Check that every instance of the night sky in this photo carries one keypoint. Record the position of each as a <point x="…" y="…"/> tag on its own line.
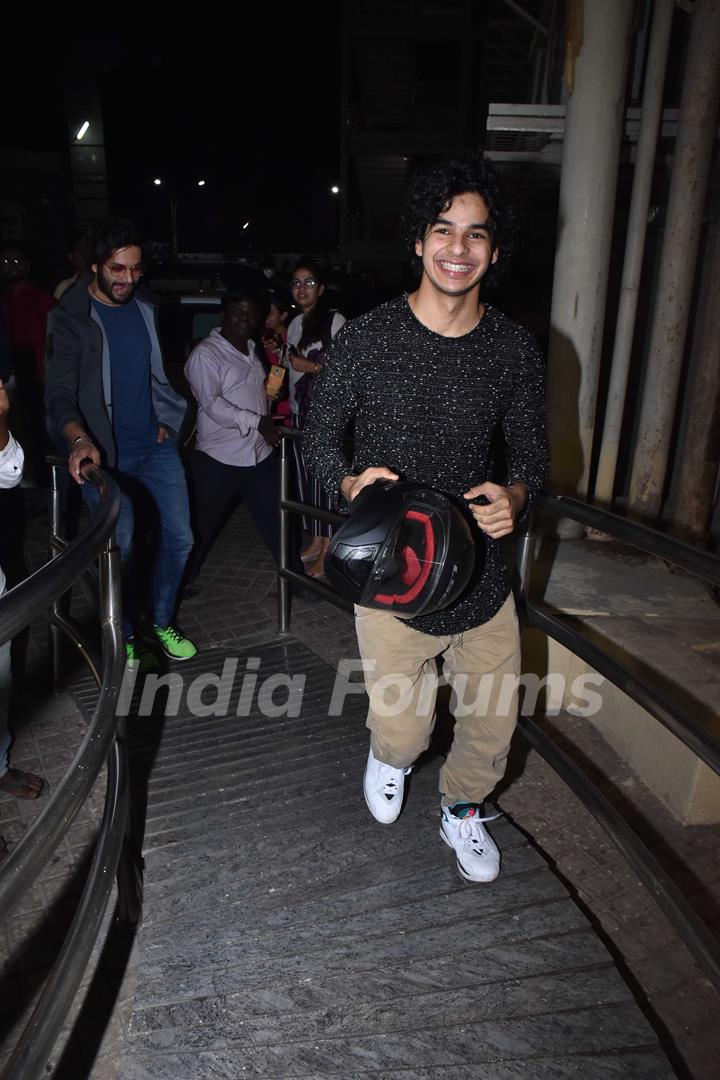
<point x="257" y="115"/>
<point x="254" y="110"/>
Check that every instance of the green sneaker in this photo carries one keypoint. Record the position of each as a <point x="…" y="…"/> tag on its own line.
<point x="174" y="644"/>
<point x="139" y="656"/>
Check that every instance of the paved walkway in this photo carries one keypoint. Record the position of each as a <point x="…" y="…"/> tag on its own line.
<point x="385" y="882"/>
<point x="286" y="934"/>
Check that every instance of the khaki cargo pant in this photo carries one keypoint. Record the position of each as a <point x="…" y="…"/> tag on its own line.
<point x="482" y="666"/>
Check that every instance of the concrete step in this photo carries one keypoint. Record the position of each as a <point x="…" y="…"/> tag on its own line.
<point x="207" y="1028"/>
<point x="321" y="864"/>
<point x="422" y="946"/>
<point x="409" y="883"/>
<point x="288" y="935"/>
<point x="484" y="1043"/>
<point x="469" y="970"/>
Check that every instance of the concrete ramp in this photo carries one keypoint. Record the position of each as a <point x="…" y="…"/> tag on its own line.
<point x="287" y="935"/>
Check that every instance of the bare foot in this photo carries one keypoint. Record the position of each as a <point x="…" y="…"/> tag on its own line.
<point x="22" y="785"/>
<point x="316" y="569"/>
<point x="312" y="551"/>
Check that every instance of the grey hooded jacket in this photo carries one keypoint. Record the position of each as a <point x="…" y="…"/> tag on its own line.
<point x="77" y="370"/>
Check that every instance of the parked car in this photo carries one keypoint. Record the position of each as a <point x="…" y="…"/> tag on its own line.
<point x="183" y="321"/>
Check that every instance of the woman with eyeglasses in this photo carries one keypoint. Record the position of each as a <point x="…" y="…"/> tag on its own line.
<point x="309" y="336"/>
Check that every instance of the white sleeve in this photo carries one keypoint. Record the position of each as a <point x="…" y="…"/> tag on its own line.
<point x="11" y="464"/>
<point x="294" y="332"/>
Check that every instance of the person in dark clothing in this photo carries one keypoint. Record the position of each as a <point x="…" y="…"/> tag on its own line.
<point x="108" y="394"/>
<point x="428" y="379"/>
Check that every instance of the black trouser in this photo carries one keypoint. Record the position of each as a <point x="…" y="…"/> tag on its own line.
<point x="216" y="487"/>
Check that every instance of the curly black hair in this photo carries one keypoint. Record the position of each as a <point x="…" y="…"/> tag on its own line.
<point x="434" y="187"/>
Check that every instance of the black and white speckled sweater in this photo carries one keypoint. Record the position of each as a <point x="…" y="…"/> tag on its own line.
<point x="426" y="406"/>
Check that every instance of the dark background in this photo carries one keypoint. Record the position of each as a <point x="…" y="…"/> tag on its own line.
<point x="250" y="103"/>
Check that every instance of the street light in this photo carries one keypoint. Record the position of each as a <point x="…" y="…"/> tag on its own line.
<point x="82" y="130"/>
<point x="335" y="190"/>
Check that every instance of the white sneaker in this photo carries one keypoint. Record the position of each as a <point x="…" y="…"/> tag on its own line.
<point x="478" y="859"/>
<point x="383" y="787"/>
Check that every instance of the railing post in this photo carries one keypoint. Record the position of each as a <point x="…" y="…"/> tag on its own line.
<point x="283" y="583"/>
<point x="524" y="556"/>
<point x="129" y="870"/>
<point x="54" y="636"/>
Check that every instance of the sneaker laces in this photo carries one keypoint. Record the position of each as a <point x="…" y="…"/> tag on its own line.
<point x="172" y="632"/>
<point x="471" y="829"/>
<point x="392" y="783"/>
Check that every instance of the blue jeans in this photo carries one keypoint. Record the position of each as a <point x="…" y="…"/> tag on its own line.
<point x="153" y="530"/>
<point x="5" y="685"/>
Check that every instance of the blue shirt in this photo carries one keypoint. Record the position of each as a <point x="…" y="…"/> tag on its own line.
<point x="135" y="424"/>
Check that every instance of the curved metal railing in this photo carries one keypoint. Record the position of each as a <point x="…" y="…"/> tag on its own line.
<point x="640" y="688"/>
<point x="647" y="693"/>
<point x="104" y="742"/>
<point x="644" y="690"/>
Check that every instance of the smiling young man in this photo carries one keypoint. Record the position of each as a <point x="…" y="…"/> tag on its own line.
<point x="429" y="379"/>
<point x="107" y="392"/>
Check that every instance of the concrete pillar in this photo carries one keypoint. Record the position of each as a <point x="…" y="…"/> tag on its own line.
<point x="87" y="154"/>
<point x="698" y="472"/>
<point x="693" y="151"/>
<point x="634" y="246"/>
<point x="594" y="120"/>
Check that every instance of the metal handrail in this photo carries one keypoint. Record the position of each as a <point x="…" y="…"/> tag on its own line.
<point x="674" y="905"/>
<point x="286" y="574"/>
<point x="699" y="563"/>
<point x="103" y="742"/>
<point x="32" y="597"/>
<point x="31" y="1053"/>
<point x="689" y="926"/>
<point x="684" y="726"/>
<point x="691" y="929"/>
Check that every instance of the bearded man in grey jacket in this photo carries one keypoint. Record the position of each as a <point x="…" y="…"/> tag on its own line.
<point x="109" y="396"/>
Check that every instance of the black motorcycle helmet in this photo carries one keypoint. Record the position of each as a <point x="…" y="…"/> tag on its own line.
<point x="404" y="548"/>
